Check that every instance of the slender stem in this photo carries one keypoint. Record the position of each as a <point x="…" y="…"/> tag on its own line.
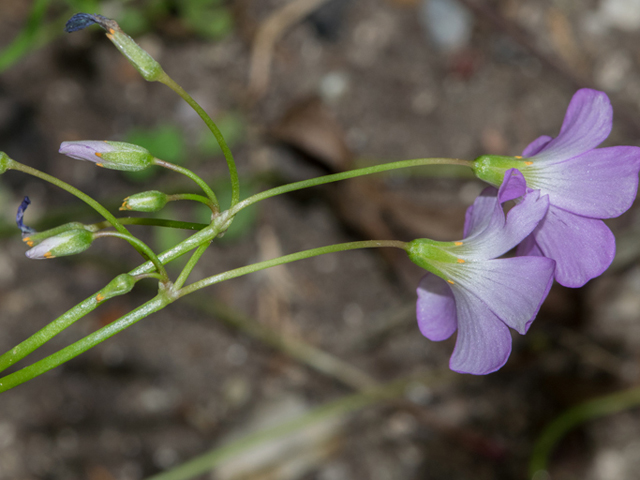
<point x="573" y="417"/>
<point x="73" y="191"/>
<point x="233" y="172"/>
<point x="207" y="234"/>
<point x="346" y="175"/>
<point x="90" y="341"/>
<point x="141" y="247"/>
<point x="195" y="198"/>
<point x="188" y="268"/>
<point x="238" y="272"/>
<point x="188" y="173"/>
<point x="157" y="222"/>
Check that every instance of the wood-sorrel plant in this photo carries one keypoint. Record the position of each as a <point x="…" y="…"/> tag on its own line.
<point x="562" y="189"/>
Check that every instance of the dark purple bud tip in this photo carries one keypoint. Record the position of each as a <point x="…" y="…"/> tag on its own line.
<point x="82" y="20"/>
<point x="19" y="216"/>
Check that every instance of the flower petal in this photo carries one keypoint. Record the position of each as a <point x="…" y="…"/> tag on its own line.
<point x="479" y="214"/>
<point x="501" y="235"/>
<point x="484" y="342"/>
<point x="538" y="144"/>
<point x="529" y="248"/>
<point x="586" y="125"/>
<point x="601" y="183"/>
<point x="582" y="247"/>
<point x="512" y="288"/>
<point x="436" y="308"/>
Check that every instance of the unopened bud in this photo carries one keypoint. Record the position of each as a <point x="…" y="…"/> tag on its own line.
<point x="36" y="238"/>
<point x="150" y="201"/>
<point x="66" y="243"/>
<point x="120" y="285"/>
<point x="113" y="155"/>
<point x="140" y="59"/>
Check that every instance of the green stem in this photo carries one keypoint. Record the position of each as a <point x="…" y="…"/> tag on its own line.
<point x="207" y="234"/>
<point x="188" y="268"/>
<point x="90" y="341"/>
<point x="13" y="165"/>
<point x="188" y="173"/>
<point x="575" y="416"/>
<point x="141" y="247"/>
<point x="195" y="198"/>
<point x="238" y="272"/>
<point x="233" y="172"/>
<point x="156" y="222"/>
<point x="344" y="176"/>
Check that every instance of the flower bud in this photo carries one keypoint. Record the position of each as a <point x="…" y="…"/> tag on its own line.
<point x="35" y="238"/>
<point x="113" y="155"/>
<point x="150" y="201"/>
<point x="120" y="285"/>
<point x="141" y="60"/>
<point x="66" y="243"/>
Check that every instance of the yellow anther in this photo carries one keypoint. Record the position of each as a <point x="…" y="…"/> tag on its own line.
<point x="124" y="206"/>
<point x="457" y="244"/>
<point x="98" y="154"/>
<point x="100" y="164"/>
<point x="49" y="255"/>
<point x="30" y="244"/>
<point x="99" y="297"/>
<point x="460" y="260"/>
<point x="26" y="240"/>
<point x="451" y="282"/>
<point x="528" y="163"/>
<point x="518" y="156"/>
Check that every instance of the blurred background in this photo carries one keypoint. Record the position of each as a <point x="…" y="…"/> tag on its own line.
<point x="302" y="88"/>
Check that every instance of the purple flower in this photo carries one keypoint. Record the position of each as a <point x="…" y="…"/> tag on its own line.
<point x="584" y="185"/>
<point x="477" y="294"/>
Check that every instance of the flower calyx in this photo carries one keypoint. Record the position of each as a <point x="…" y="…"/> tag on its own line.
<point x="69" y="242"/>
<point x="146" y="65"/>
<point x="491" y="168"/>
<point x="120" y="285"/>
<point x="150" y="201"/>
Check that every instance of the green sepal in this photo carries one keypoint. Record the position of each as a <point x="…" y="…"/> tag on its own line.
<point x="66" y="243"/>
<point x="150" y="201"/>
<point x="120" y="285"/>
<point x="428" y="253"/>
<point x="126" y="156"/>
<point x="491" y="168"/>
<point x="5" y="162"/>
<point x="35" y="238"/>
<point x="149" y="68"/>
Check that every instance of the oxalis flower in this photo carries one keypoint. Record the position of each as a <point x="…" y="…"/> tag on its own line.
<point x="477" y="294"/>
<point x="584" y="185"/>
